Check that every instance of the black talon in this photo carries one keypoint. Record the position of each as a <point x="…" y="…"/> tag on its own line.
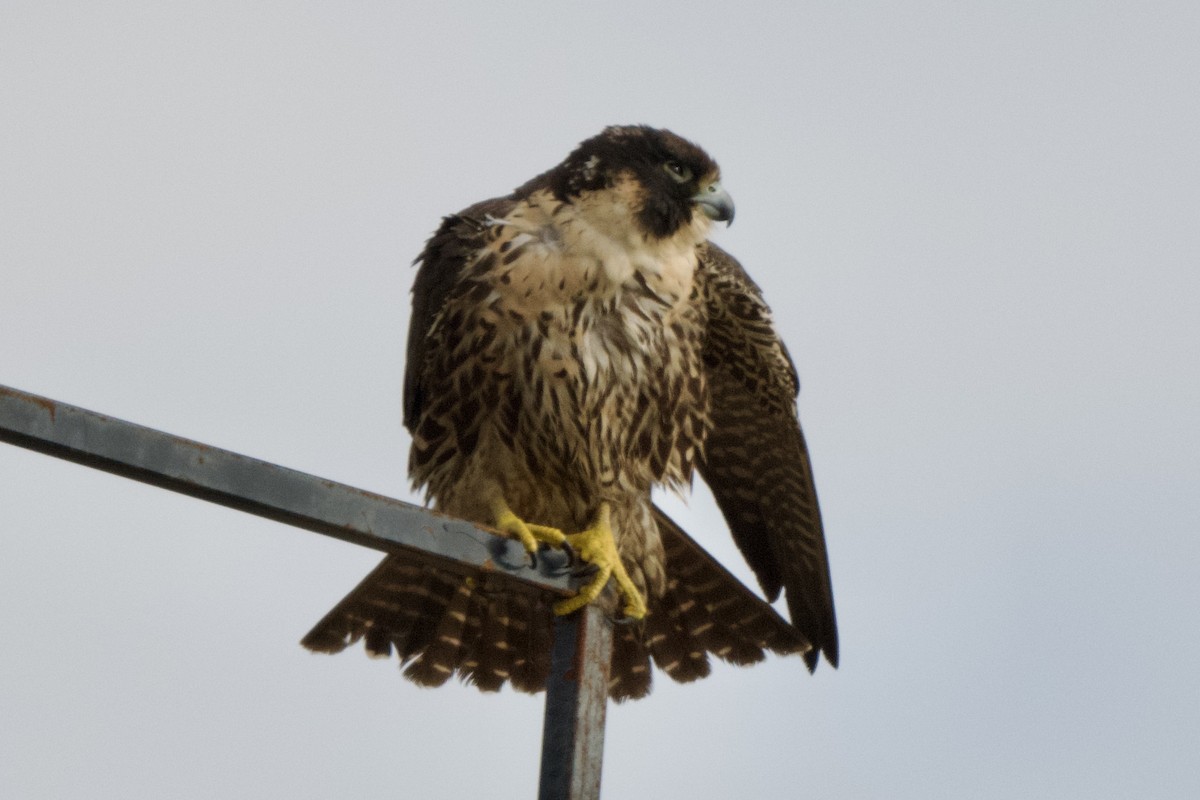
<point x="584" y="570"/>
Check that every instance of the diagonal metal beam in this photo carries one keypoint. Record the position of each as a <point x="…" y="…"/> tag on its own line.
<point x="577" y="691"/>
<point x="267" y="490"/>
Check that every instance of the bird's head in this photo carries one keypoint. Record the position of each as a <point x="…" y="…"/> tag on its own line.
<point x="673" y="179"/>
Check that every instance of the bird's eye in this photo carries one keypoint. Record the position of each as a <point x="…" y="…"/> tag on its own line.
<point x="678" y="171"/>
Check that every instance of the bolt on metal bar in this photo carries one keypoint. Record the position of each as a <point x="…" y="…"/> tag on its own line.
<point x="577" y="692"/>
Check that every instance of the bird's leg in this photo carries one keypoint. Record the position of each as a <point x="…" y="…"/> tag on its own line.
<point x="528" y="534"/>
<point x="596" y="546"/>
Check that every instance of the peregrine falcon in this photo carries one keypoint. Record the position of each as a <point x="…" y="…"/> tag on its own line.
<point x="573" y="345"/>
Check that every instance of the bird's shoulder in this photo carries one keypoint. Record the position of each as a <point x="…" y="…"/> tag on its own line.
<point x="454" y="245"/>
<point x="741" y="335"/>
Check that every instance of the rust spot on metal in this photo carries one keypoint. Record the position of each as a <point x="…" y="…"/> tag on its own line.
<point x="48" y="405"/>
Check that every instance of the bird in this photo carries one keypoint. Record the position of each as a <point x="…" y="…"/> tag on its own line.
<point x="572" y="346"/>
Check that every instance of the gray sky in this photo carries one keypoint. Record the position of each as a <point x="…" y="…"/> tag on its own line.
<point x="980" y="232"/>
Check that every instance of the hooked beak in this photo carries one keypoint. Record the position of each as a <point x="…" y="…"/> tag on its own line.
<point x="715" y="202"/>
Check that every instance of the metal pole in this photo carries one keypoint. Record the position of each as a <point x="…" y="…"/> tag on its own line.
<point x="577" y="691"/>
<point x="576" y="700"/>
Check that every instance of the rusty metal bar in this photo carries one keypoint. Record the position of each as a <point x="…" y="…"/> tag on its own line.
<point x="267" y="490"/>
<point x="576" y="701"/>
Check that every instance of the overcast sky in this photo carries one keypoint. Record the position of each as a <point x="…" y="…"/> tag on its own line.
<point x="979" y="229"/>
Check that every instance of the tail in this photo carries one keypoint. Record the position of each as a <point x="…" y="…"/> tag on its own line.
<point x="705" y="610"/>
<point x="440" y="622"/>
<point x="491" y="631"/>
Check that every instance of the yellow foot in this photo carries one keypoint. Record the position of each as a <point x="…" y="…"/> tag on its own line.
<point x="528" y="534"/>
<point x="597" y="547"/>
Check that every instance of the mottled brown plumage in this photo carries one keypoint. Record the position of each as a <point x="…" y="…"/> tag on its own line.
<point x="574" y="345"/>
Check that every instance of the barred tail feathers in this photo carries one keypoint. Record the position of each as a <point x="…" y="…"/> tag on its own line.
<point x="439" y="623"/>
<point x="704" y="610"/>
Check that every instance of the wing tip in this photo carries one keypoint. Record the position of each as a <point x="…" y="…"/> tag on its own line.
<point x="812" y="656"/>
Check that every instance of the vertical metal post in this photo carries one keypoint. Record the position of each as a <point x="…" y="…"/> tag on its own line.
<point x="576" y="700"/>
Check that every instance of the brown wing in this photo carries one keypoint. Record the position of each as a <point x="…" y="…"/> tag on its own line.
<point x="456" y="242"/>
<point x="756" y="461"/>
